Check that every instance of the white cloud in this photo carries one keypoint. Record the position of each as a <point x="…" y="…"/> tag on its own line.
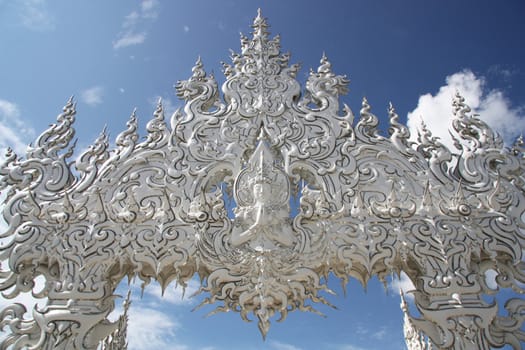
<point x="131" y="20"/>
<point x="350" y="347"/>
<point x="151" y="329"/>
<point x="150" y="325"/>
<point x="133" y="31"/>
<point x="14" y="132"/>
<point x="403" y="283"/>
<point x="129" y="39"/>
<point x="364" y="332"/>
<point x="149" y="8"/>
<point x="92" y="96"/>
<point x="491" y="105"/>
<point x="380" y="334"/>
<point x="34" y="15"/>
<point x="282" y="346"/>
<point x="186" y="29"/>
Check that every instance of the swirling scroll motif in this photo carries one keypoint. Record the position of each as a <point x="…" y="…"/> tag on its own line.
<point x="370" y="205"/>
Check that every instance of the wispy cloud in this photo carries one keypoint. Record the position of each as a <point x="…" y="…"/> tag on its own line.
<point x="153" y="323"/>
<point x="503" y="72"/>
<point x="283" y="346"/>
<point x="129" y="39"/>
<point x="365" y="333"/>
<point x="491" y="105"/>
<point x="149" y="8"/>
<point x="92" y="96"/>
<point x="350" y="347"/>
<point x="403" y="283"/>
<point x="133" y="27"/>
<point x="34" y="15"/>
<point x="380" y="334"/>
<point x="13" y="130"/>
<point x="151" y="329"/>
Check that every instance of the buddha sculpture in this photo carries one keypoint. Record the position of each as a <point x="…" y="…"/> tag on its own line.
<point x="262" y="193"/>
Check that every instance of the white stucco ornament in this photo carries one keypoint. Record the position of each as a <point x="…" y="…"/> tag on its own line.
<point x="370" y="205"/>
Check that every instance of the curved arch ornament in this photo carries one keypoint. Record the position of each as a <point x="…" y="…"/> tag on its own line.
<point x="370" y="205"/>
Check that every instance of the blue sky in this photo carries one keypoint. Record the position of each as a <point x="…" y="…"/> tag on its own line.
<point x="120" y="55"/>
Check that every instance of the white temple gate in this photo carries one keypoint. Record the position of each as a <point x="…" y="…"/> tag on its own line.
<point x="370" y="205"/>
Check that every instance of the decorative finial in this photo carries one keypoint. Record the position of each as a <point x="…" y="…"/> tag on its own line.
<point x="365" y="106"/>
<point x="460" y="108"/>
<point x="260" y="27"/>
<point x="198" y="70"/>
<point x="326" y="66"/>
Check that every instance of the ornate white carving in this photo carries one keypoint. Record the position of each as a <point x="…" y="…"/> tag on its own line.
<point x="370" y="205"/>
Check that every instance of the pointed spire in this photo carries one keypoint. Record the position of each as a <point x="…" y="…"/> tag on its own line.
<point x="157" y="129"/>
<point x="399" y="133"/>
<point x="158" y="115"/>
<point x="57" y="136"/>
<point x="260" y="45"/>
<point x="198" y="72"/>
<point x="518" y="146"/>
<point x="326" y="66"/>
<point x="426" y="202"/>
<point x="127" y="139"/>
<point x="130" y="134"/>
<point x="424" y="135"/>
<point x="366" y="128"/>
<point x="260" y="28"/>
<point x="70" y="108"/>
<point x="459" y="201"/>
<point x="117" y="339"/>
<point x="365" y="106"/>
<point x="404" y="306"/>
<point x="359" y="210"/>
<point x="460" y="108"/>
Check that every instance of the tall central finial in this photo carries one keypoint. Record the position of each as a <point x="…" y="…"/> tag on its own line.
<point x="260" y="44"/>
<point x="260" y="27"/>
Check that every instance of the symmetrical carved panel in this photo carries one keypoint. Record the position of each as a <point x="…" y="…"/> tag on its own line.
<point x="369" y="205"/>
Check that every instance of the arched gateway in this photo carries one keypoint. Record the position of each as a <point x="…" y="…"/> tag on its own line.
<point x="370" y="205"/>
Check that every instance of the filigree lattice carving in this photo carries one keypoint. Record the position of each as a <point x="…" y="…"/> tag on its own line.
<point x="370" y="205"/>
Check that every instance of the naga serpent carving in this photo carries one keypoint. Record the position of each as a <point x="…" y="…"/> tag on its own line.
<point x="369" y="205"/>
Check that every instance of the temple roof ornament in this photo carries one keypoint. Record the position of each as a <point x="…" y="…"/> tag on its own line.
<point x="369" y="205"/>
